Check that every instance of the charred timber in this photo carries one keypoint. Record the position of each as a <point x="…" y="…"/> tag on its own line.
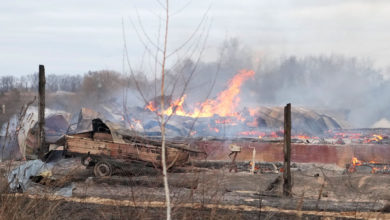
<point x="287" y="186"/>
<point x="41" y="112"/>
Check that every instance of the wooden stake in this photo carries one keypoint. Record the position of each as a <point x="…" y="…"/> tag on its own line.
<point x="287" y="186"/>
<point x="41" y="112"/>
<point x="233" y="165"/>
<point x="253" y="160"/>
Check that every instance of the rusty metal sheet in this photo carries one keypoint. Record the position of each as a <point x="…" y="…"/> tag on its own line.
<point x="136" y="151"/>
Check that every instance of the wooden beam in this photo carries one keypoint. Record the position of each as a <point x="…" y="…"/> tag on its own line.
<point x="41" y="112"/>
<point x="287" y="186"/>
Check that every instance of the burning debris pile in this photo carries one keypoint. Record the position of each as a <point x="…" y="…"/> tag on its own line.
<point x="371" y="166"/>
<point x="222" y="118"/>
<point x="359" y="136"/>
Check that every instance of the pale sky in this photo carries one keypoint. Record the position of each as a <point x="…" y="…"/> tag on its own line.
<point x="73" y="36"/>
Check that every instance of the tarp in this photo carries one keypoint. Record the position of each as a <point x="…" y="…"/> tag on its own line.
<point x="19" y="178"/>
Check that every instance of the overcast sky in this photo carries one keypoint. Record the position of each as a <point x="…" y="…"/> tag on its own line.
<point x="75" y="36"/>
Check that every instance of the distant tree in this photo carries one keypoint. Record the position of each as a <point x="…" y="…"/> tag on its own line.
<point x="52" y="82"/>
<point x="98" y="85"/>
<point x="32" y="80"/>
<point x="7" y="83"/>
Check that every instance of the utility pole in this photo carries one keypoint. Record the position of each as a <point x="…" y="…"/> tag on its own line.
<point x="287" y="186"/>
<point x="41" y="112"/>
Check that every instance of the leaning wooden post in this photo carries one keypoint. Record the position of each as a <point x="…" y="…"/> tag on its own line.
<point x="41" y="112"/>
<point x="287" y="187"/>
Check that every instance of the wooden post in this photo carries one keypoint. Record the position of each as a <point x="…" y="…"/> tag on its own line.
<point x="233" y="165"/>
<point x="253" y="160"/>
<point x="235" y="149"/>
<point x="41" y="112"/>
<point x="287" y="187"/>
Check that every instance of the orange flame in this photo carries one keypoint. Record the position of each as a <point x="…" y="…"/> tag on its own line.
<point x="252" y="133"/>
<point x="224" y="105"/>
<point x="176" y="106"/>
<point x="213" y="129"/>
<point x="374" y="138"/>
<point x="356" y="162"/>
<point x="151" y="107"/>
<point x="253" y="111"/>
<point x="302" y="136"/>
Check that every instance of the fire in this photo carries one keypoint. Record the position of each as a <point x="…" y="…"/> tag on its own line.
<point x="151" y="107"/>
<point x="224" y="105"/>
<point x="252" y="133"/>
<point x="356" y="162"/>
<point x="375" y="138"/>
<point x="214" y="129"/>
<point x="302" y="137"/>
<point x="374" y="165"/>
<point x="274" y="135"/>
<point x="256" y="167"/>
<point x="253" y="111"/>
<point x="135" y="124"/>
<point x="176" y="106"/>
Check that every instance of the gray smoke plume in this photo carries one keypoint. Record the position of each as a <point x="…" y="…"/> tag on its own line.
<point x="336" y="83"/>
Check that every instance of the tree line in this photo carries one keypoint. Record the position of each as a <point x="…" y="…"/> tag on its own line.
<point x="103" y="81"/>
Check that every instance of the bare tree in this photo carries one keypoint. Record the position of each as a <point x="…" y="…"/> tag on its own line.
<point x="7" y="83"/>
<point x="163" y="149"/>
<point x="194" y="45"/>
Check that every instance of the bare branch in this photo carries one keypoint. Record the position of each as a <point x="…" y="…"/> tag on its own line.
<point x="141" y="40"/>
<point x="145" y="34"/>
<point x="187" y="81"/>
<point x="129" y="64"/>
<point x="161" y="4"/>
<point x="180" y="9"/>
<point x="192" y="35"/>
<point x="211" y="88"/>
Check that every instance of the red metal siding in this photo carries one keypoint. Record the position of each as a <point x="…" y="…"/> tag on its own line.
<point x="303" y="153"/>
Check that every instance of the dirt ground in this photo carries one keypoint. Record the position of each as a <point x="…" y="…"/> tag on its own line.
<point x="318" y="191"/>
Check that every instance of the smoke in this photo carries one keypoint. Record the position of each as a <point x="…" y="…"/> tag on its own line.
<point x="351" y="87"/>
<point x="327" y="82"/>
<point x="334" y="83"/>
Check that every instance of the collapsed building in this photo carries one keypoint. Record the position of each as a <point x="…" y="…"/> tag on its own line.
<point x="213" y="125"/>
<point x="127" y="144"/>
